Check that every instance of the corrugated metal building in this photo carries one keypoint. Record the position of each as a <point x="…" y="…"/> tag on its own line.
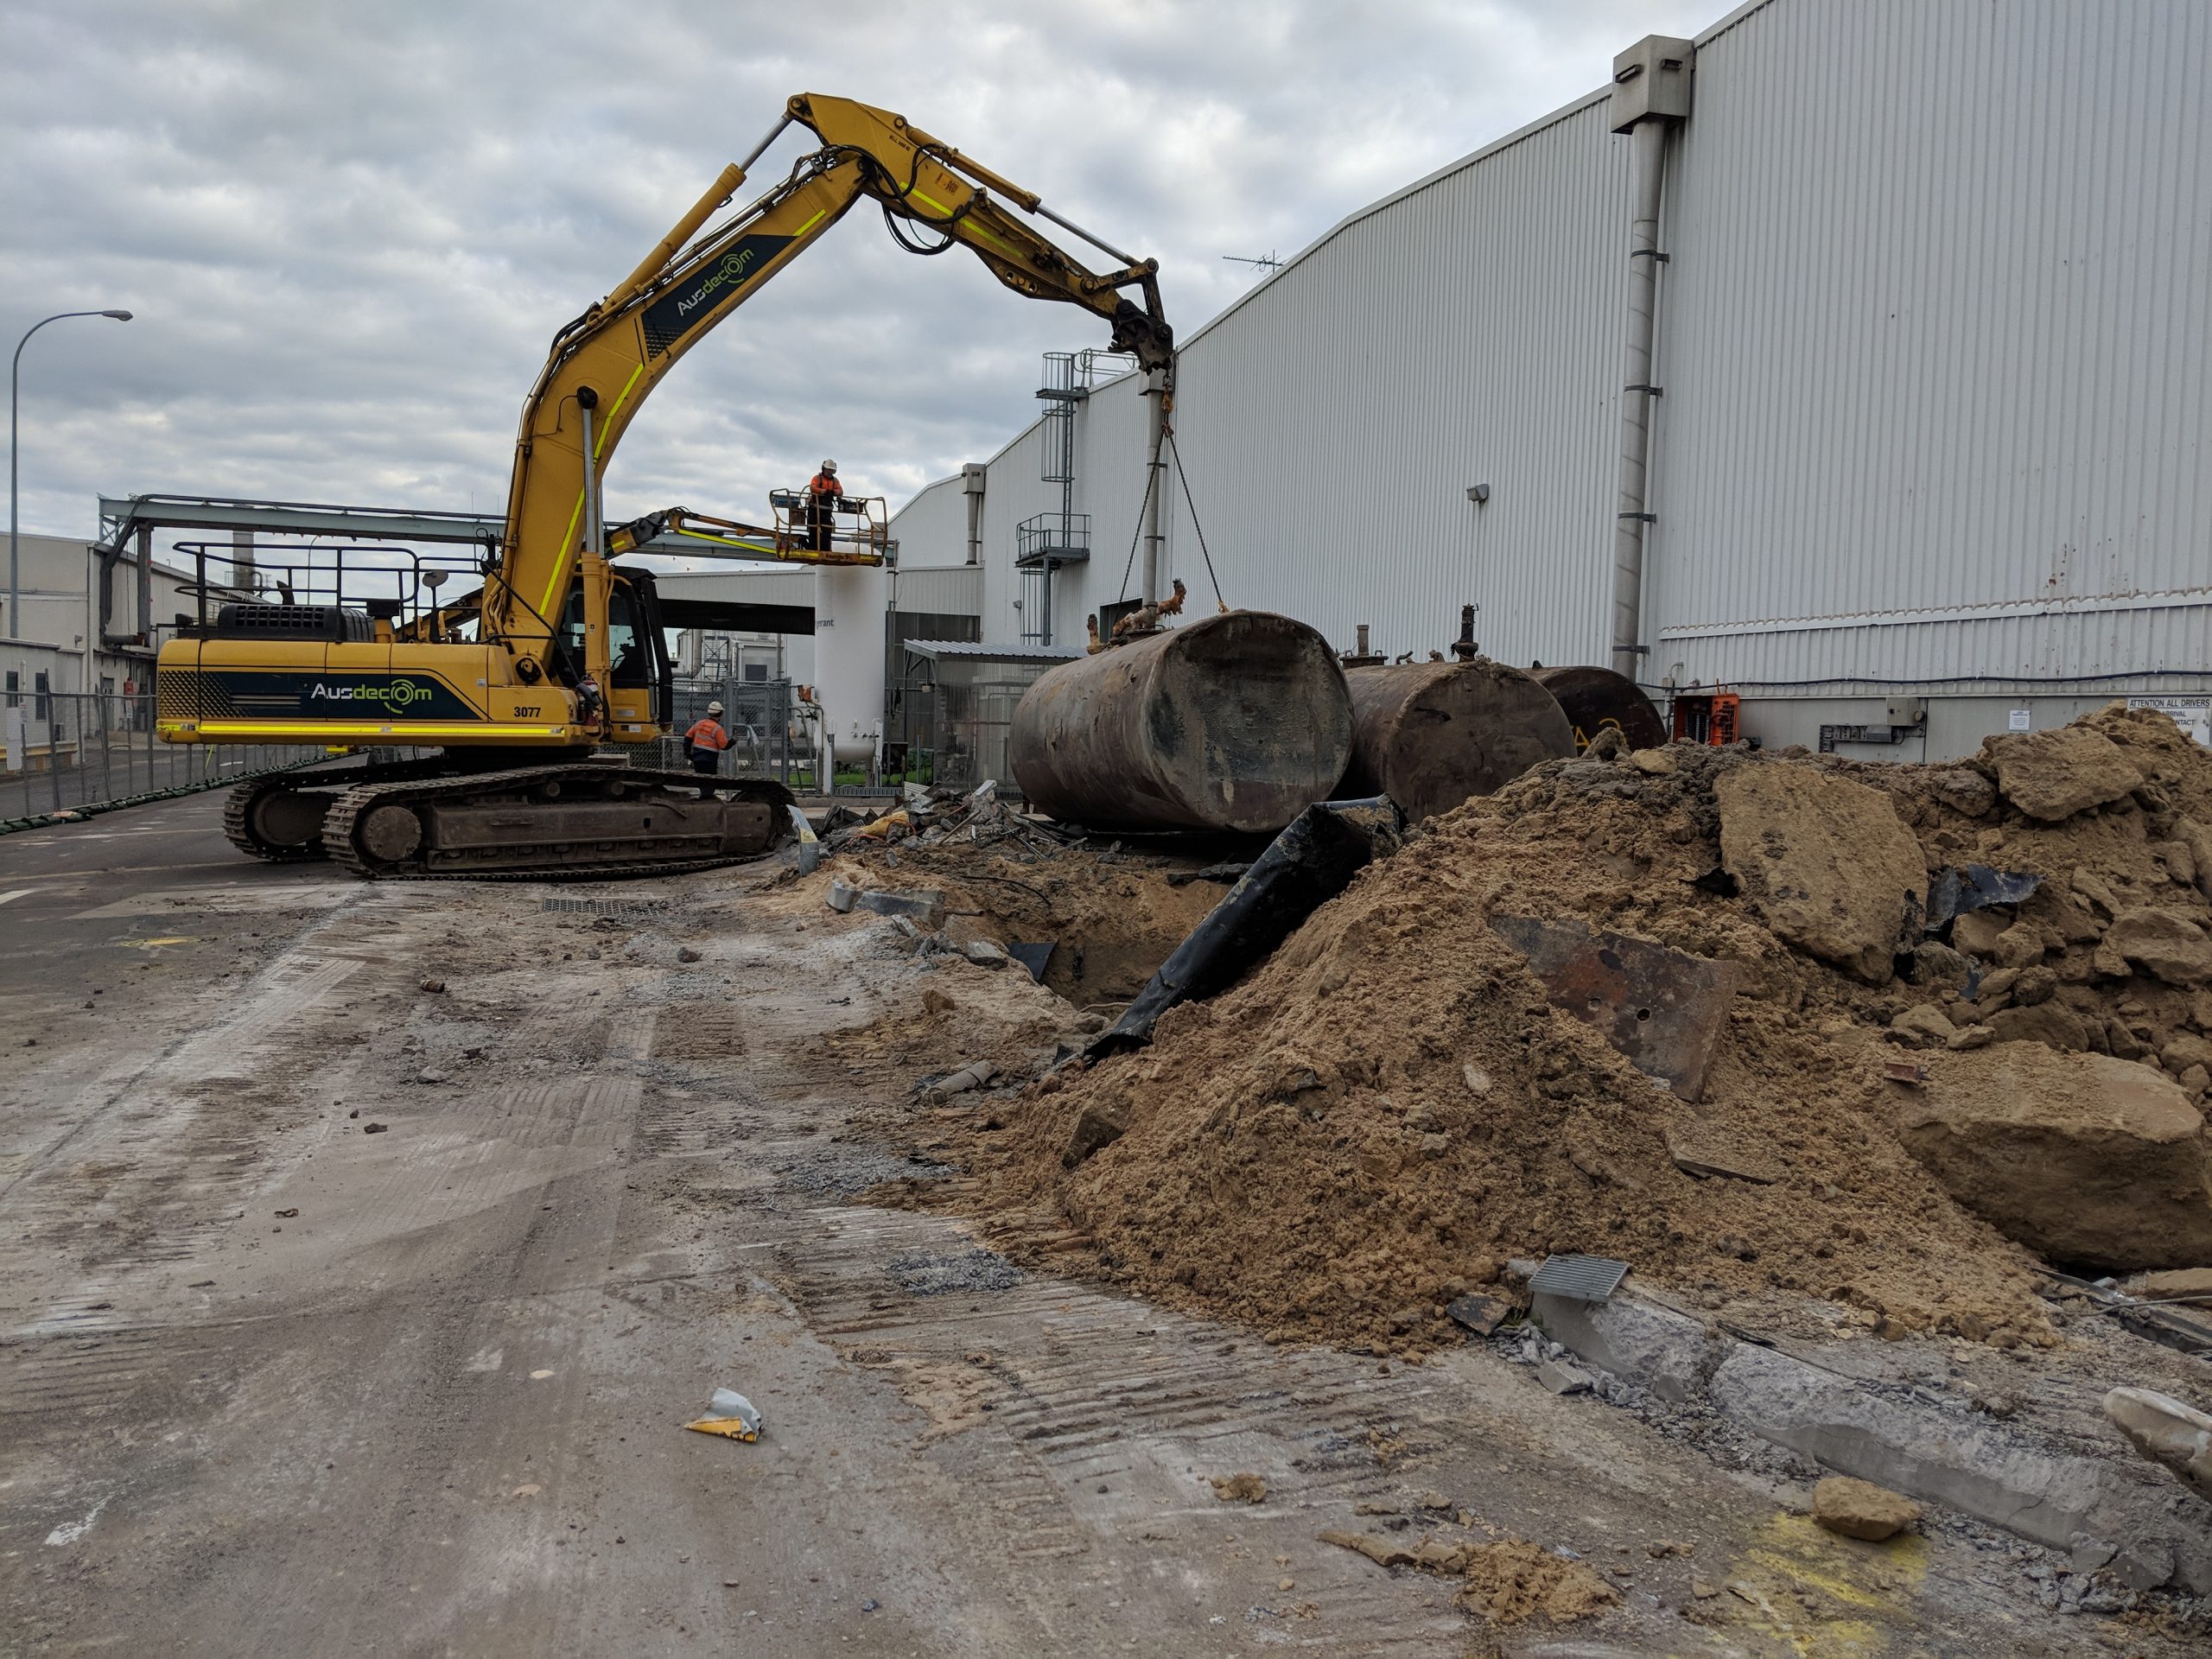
<point x="1932" y="441"/>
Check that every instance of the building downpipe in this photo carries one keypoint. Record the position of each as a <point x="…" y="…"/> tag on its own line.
<point x="974" y="476"/>
<point x="1651" y="95"/>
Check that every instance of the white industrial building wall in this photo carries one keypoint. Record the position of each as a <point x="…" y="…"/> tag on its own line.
<point x="1933" y="334"/>
<point x="932" y="528"/>
<point x="1466" y="331"/>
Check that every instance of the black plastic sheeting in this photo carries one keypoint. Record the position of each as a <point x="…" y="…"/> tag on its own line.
<point x="1308" y="864"/>
<point x="1958" y="889"/>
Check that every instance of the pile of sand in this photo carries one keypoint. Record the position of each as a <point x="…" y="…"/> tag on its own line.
<point x="1382" y="1114"/>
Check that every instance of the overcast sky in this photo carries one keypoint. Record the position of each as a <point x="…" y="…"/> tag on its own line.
<point x="349" y="230"/>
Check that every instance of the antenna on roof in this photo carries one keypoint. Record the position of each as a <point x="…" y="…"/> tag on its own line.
<point x="1265" y="261"/>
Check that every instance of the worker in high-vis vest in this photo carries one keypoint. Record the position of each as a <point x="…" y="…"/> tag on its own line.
<point x="704" y="743"/>
<point x="824" y="495"/>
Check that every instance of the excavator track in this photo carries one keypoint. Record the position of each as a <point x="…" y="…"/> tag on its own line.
<point x="252" y="810"/>
<point x="566" y="822"/>
<point x="238" y="813"/>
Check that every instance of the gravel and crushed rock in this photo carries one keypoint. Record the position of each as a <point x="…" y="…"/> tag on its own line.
<point x="941" y="1272"/>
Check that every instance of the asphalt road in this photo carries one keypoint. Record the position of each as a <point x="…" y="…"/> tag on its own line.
<point x="369" y="1246"/>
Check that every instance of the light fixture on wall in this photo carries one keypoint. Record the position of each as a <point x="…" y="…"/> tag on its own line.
<point x="1478" y="494"/>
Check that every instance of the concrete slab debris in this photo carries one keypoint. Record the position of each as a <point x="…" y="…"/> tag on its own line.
<point x="1562" y="1378"/>
<point x="2053" y="775"/>
<point x="1707" y="1151"/>
<point x="2170" y="1433"/>
<point x="925" y="907"/>
<point x="1824" y="861"/>
<point x="2083" y="1157"/>
<point x="2041" y="1485"/>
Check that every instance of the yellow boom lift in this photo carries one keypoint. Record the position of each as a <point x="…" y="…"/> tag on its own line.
<point x="561" y="652"/>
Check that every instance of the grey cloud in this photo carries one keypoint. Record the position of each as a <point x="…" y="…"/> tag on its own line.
<point x="349" y="231"/>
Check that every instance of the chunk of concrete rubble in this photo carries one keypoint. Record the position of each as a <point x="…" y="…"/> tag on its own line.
<point x="1976" y="933"/>
<point x="2164" y="944"/>
<point x="2053" y="775"/>
<point x="1244" y="1488"/>
<point x="1925" y="1024"/>
<point x="1478" y="1312"/>
<point x="2081" y="1157"/>
<point x="926" y="906"/>
<point x="2174" y="1281"/>
<point x="1102" y="1123"/>
<point x="2172" y="1434"/>
<point x="984" y="954"/>
<point x="1562" y="1378"/>
<point x="2051" y="1024"/>
<point x="1824" y="861"/>
<point x="1859" y="1509"/>
<point x="1934" y="963"/>
<point x="2194" y="837"/>
<point x="2036" y="1483"/>
<point x="1964" y="790"/>
<point x="1707" y="1150"/>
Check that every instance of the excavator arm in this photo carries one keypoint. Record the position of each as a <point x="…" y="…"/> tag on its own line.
<point x="603" y="365"/>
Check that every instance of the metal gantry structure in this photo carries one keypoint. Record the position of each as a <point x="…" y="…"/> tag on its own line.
<point x="1048" y="542"/>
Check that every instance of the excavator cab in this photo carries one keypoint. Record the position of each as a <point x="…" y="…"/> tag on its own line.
<point x="641" y="689"/>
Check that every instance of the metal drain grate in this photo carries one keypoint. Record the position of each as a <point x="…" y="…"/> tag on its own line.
<point x="610" y="907"/>
<point x="1579" y="1278"/>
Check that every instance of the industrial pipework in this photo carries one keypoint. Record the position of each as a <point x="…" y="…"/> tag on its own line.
<point x="1652" y="93"/>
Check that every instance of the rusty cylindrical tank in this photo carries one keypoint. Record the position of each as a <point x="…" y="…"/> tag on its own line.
<point x="1238" y="721"/>
<point x="1595" y="698"/>
<point x="1431" y="734"/>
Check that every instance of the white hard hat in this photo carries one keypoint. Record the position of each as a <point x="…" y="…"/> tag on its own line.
<point x="828" y="466"/>
<point x="713" y="707"/>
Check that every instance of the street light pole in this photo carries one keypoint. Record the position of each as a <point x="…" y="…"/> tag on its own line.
<point x="15" y="598"/>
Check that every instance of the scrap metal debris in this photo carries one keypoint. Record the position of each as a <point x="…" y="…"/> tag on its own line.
<point x="1664" y="1009"/>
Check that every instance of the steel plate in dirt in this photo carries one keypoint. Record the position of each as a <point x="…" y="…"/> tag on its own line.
<point x="1663" y="1009"/>
<point x="1579" y="1278"/>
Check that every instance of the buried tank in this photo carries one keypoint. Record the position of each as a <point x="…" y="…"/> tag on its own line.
<point x="1238" y="721"/>
<point x="1598" y="698"/>
<point x="1430" y="735"/>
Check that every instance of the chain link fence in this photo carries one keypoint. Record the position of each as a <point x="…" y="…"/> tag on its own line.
<point x="767" y="738"/>
<point x="80" y="749"/>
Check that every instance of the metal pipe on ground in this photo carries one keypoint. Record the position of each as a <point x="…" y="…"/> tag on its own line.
<point x="1432" y="735"/>
<point x="1238" y="721"/>
<point x="1595" y="699"/>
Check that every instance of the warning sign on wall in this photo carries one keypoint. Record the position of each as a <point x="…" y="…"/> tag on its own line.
<point x="2192" y="714"/>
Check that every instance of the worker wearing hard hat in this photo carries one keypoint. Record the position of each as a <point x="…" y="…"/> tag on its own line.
<point x="704" y="744"/>
<point x="824" y="495"/>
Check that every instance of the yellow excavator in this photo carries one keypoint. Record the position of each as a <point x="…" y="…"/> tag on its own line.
<point x="560" y="654"/>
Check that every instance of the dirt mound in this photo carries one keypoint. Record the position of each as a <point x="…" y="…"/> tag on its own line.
<point x="1112" y="917"/>
<point x="1391" y="1107"/>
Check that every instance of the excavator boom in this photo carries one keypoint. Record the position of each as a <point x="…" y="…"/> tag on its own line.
<point x="559" y="651"/>
<point x="619" y="349"/>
